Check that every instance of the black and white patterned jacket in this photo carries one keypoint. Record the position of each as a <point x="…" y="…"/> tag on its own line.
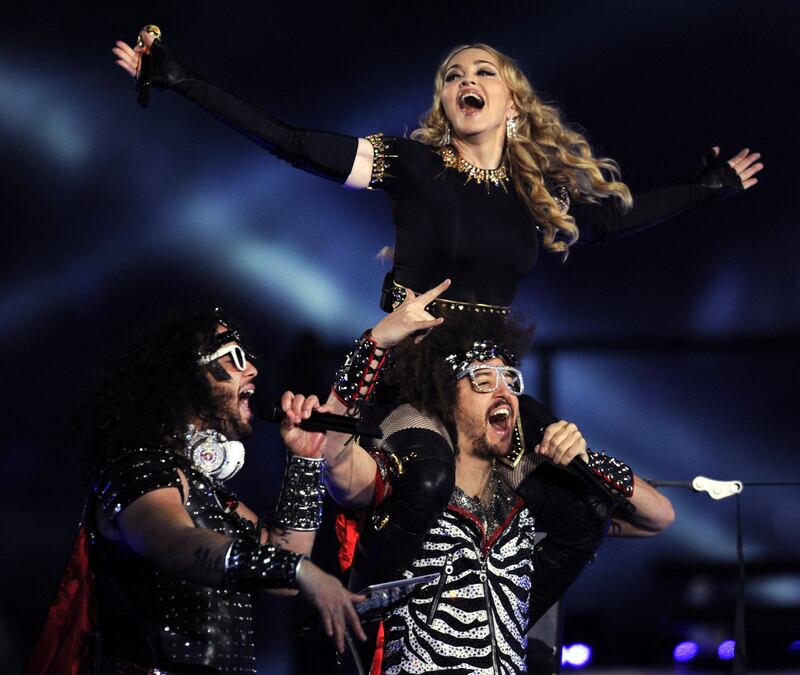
<point x="475" y="617"/>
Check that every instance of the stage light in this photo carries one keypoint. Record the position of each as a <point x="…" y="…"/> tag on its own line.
<point x="576" y="656"/>
<point x="44" y="114"/>
<point x="726" y="650"/>
<point x="794" y="646"/>
<point x="685" y="651"/>
<point x="580" y="655"/>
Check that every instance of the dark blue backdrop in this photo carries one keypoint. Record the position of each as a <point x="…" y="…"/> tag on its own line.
<point x="675" y="349"/>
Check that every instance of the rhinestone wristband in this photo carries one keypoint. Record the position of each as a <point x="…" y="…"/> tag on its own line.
<point x="615" y="473"/>
<point x="250" y="566"/>
<point x="350" y="383"/>
<point x="300" y="501"/>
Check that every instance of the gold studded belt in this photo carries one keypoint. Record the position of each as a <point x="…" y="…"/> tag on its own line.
<point x="393" y="295"/>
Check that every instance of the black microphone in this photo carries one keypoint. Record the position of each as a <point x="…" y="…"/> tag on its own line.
<point x="272" y="412"/>
<point x="535" y="419"/>
<point x="143" y="81"/>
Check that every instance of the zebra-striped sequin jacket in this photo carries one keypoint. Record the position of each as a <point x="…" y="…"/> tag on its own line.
<point x="475" y="617"/>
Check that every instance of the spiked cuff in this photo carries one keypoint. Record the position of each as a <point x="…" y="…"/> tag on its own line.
<point x="615" y="473"/>
<point x="360" y="363"/>
<point x="300" y="502"/>
<point x="250" y="566"/>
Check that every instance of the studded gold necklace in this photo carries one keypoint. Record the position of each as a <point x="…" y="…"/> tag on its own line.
<point x="497" y="177"/>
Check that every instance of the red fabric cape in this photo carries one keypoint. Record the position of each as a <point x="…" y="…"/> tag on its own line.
<point x="66" y="642"/>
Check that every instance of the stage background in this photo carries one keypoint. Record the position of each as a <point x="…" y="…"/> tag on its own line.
<point x="675" y="349"/>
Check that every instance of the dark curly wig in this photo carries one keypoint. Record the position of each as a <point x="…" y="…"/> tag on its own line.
<point x="147" y="391"/>
<point x="420" y="375"/>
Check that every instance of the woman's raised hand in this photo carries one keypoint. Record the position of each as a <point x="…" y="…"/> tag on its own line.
<point x="744" y="164"/>
<point x="129" y="58"/>
<point x="409" y="318"/>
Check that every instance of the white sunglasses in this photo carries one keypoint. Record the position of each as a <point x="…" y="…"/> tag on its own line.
<point x="237" y="356"/>
<point x="486" y="379"/>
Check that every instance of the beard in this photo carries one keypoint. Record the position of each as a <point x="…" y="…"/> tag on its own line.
<point x="227" y="417"/>
<point x="234" y="428"/>
<point x="474" y="430"/>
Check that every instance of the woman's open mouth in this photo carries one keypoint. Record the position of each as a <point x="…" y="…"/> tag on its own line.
<point x="470" y="102"/>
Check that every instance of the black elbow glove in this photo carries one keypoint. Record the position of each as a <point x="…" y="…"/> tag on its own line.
<point x="606" y="220"/>
<point x="575" y="521"/>
<point x="324" y="154"/>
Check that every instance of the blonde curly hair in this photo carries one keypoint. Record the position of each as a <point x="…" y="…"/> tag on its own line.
<point x="545" y="153"/>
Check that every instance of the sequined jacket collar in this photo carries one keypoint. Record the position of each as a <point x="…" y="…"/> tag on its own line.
<point x="492" y="512"/>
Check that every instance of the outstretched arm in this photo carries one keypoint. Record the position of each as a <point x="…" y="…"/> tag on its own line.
<point x="562" y="442"/>
<point x="653" y="514"/>
<point x="606" y="220"/>
<point x="345" y="159"/>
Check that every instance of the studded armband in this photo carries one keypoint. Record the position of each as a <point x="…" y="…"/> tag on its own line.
<point x="250" y="566"/>
<point x="355" y="382"/>
<point x="390" y="466"/>
<point x="300" y="501"/>
<point x="381" y="158"/>
<point x="615" y="473"/>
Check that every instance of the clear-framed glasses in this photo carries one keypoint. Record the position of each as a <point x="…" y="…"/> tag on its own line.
<point x="237" y="356"/>
<point x="486" y="379"/>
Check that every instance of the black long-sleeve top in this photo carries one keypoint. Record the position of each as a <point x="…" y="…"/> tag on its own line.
<point x="485" y="239"/>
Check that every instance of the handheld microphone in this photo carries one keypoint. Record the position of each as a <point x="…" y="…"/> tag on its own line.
<point x="535" y="418"/>
<point x="143" y="81"/>
<point x="145" y="66"/>
<point x="272" y="412"/>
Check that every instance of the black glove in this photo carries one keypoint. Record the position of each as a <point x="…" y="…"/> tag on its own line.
<point x="160" y="68"/>
<point x="718" y="175"/>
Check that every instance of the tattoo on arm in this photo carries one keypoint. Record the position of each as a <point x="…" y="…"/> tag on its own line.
<point x="206" y="563"/>
<point x="283" y="537"/>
